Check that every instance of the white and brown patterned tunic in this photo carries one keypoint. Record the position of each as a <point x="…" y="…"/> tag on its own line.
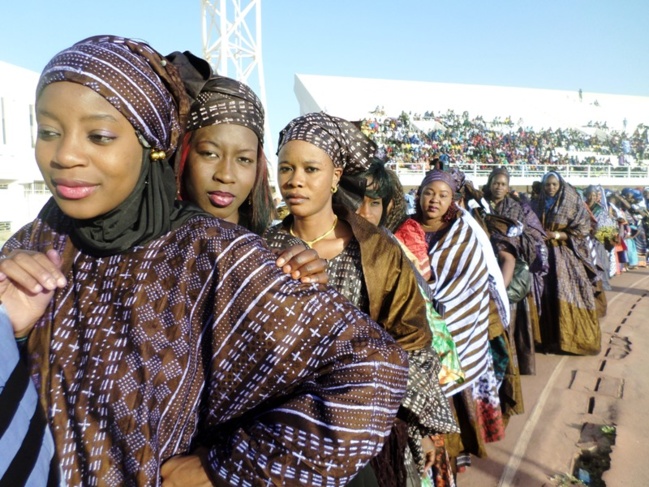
<point x="197" y="339"/>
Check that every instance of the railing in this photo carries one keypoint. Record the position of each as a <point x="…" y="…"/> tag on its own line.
<point x="521" y="174"/>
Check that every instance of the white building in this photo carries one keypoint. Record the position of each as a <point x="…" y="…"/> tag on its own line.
<point x="22" y="190"/>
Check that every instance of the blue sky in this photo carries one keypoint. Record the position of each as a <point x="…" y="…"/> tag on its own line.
<point x="595" y="45"/>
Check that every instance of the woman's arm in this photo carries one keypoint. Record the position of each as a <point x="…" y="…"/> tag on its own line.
<point x="303" y="388"/>
<point x="507" y="262"/>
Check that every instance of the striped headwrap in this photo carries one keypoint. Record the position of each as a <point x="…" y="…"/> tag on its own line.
<point x="133" y="78"/>
<point x="226" y="100"/>
<point x="343" y="142"/>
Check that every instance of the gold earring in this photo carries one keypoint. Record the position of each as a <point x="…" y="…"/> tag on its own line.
<point x="157" y="155"/>
<point x="334" y="189"/>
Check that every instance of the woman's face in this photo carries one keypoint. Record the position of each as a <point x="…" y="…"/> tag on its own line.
<point x="306" y="174"/>
<point x="499" y="187"/>
<point x="86" y="150"/>
<point x="435" y="200"/>
<point x="221" y="169"/>
<point x="593" y="197"/>
<point x="371" y="208"/>
<point x="551" y="186"/>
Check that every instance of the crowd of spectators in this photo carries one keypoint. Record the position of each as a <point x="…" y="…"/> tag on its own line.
<point x="411" y="141"/>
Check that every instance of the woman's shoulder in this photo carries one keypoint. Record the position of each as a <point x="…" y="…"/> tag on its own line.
<point x="410" y="233"/>
<point x="212" y="234"/>
<point x="50" y="229"/>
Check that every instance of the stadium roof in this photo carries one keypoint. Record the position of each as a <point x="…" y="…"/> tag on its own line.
<point x="356" y="98"/>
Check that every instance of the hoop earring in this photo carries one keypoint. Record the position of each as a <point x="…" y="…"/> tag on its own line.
<point x="334" y="189"/>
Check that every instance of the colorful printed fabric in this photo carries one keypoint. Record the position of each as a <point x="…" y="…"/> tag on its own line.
<point x="530" y="247"/>
<point x="197" y="339"/>
<point x="394" y="302"/>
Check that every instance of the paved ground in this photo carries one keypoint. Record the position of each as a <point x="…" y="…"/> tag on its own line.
<point x="570" y="393"/>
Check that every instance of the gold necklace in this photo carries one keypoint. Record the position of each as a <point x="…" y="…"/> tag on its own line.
<point x="309" y="243"/>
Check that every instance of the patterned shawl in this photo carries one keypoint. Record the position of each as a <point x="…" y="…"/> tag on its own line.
<point x="198" y="339"/>
<point x="396" y="303"/>
<point x="566" y="212"/>
<point x="460" y="286"/>
<point x="526" y="246"/>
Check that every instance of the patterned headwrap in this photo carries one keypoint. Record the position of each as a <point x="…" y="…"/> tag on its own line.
<point x="147" y="89"/>
<point x="225" y="100"/>
<point x="454" y="178"/>
<point x="343" y="142"/>
<point x="133" y="78"/>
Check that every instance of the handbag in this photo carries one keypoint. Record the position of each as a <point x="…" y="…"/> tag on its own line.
<point x="521" y="283"/>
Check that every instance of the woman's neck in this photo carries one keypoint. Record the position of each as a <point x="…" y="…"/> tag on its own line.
<point x="434" y="225"/>
<point x="313" y="227"/>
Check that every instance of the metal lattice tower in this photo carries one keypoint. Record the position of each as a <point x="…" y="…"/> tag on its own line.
<point x="232" y="45"/>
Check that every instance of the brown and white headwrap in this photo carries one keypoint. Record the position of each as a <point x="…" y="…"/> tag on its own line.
<point x="226" y="100"/>
<point x="343" y="142"/>
<point x="132" y="77"/>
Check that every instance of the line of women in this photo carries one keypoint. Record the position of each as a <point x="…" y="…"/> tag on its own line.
<point x="165" y="345"/>
<point x="490" y="252"/>
<point x="169" y="346"/>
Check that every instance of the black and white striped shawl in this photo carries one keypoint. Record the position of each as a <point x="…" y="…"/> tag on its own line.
<point x="460" y="284"/>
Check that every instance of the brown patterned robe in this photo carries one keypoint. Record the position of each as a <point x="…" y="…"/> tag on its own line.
<point x="569" y="319"/>
<point x="197" y="339"/>
<point x="525" y="315"/>
<point x="375" y="274"/>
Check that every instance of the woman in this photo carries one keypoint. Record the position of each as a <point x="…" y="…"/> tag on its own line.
<point x="319" y="157"/>
<point x="569" y="320"/>
<point x="462" y="290"/>
<point x="530" y="248"/>
<point x="384" y="205"/>
<point x="173" y="350"/>
<point x="222" y="167"/>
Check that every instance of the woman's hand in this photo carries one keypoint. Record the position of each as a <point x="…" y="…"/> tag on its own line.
<point x="507" y="263"/>
<point x="27" y="283"/>
<point x="303" y="263"/>
<point x="428" y="445"/>
<point x="183" y="470"/>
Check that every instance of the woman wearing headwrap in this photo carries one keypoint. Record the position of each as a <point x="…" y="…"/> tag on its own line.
<point x="222" y="167"/>
<point x="173" y="350"/>
<point x="384" y="205"/>
<point x="569" y="320"/>
<point x="320" y="157"/>
<point x="463" y="289"/>
<point x="528" y="246"/>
